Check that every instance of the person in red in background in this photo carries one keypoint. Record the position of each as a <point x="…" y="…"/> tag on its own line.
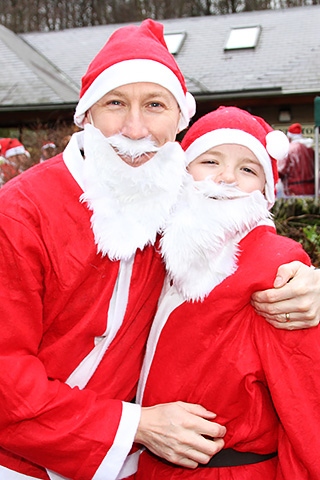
<point x="297" y="170"/>
<point x="207" y="344"/>
<point x="48" y="150"/>
<point x="14" y="159"/>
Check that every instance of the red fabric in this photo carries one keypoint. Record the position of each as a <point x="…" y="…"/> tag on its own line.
<point x="221" y="354"/>
<point x="297" y="173"/>
<point x="53" y="303"/>
<point x="233" y="118"/>
<point x="129" y="43"/>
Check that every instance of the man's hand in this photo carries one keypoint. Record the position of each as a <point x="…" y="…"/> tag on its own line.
<point x="181" y="433"/>
<point x="296" y="293"/>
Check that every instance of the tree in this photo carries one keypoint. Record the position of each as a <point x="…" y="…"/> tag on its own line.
<point x="23" y="16"/>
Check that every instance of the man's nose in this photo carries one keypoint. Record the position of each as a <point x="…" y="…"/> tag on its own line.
<point x="134" y="125"/>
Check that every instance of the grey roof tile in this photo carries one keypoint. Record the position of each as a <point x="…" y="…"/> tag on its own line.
<point x="287" y="56"/>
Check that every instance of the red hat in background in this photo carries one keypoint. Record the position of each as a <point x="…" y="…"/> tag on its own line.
<point x="134" y="54"/>
<point x="10" y="147"/>
<point x="231" y="125"/>
<point x="294" y="131"/>
<point x="295" y="128"/>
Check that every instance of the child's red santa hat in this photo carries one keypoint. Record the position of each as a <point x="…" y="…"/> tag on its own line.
<point x="10" y="147"/>
<point x="231" y="125"/>
<point x="134" y="54"/>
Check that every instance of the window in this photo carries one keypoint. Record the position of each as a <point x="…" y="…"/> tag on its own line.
<point x="174" y="41"/>
<point x="243" y="37"/>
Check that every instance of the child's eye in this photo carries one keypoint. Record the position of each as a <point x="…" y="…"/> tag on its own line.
<point x="210" y="162"/>
<point x="249" y="170"/>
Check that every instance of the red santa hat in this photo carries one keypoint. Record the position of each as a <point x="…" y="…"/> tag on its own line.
<point x="295" y="128"/>
<point x="134" y="54"/>
<point x="10" y="147"/>
<point x="294" y="131"/>
<point x="231" y="125"/>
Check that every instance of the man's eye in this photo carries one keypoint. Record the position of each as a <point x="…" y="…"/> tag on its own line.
<point x="155" y="104"/>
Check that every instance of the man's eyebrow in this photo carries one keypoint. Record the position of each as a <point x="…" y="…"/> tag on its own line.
<point x="154" y="93"/>
<point x="115" y="92"/>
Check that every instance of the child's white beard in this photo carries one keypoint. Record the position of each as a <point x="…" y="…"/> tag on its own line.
<point x="130" y="205"/>
<point x="200" y="241"/>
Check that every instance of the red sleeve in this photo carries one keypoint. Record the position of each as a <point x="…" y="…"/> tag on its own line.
<point x="291" y="362"/>
<point x="42" y="420"/>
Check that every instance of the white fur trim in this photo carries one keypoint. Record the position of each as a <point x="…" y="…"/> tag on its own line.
<point x="133" y="71"/>
<point x="114" y="460"/>
<point x="294" y="136"/>
<point x="238" y="137"/>
<point x="20" y="150"/>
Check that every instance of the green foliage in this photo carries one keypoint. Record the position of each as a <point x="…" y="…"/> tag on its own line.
<point x="299" y="219"/>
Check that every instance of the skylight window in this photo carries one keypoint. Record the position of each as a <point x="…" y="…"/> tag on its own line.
<point x="243" y="37"/>
<point x="174" y="41"/>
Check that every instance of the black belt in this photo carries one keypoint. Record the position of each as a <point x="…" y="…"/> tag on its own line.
<point x="228" y="457"/>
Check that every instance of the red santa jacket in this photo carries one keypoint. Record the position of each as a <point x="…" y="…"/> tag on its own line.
<point x="54" y="302"/>
<point x="263" y="383"/>
<point x="297" y="173"/>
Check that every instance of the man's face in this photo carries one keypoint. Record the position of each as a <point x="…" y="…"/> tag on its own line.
<point x="137" y="111"/>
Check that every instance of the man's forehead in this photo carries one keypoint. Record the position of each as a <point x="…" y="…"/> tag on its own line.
<point x="143" y="89"/>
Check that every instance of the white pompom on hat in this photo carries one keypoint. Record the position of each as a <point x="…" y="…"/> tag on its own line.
<point x="232" y="125"/>
<point x="134" y="54"/>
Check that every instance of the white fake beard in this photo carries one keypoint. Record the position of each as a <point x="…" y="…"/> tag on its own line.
<point x="130" y="205"/>
<point x="133" y="149"/>
<point x="200" y="241"/>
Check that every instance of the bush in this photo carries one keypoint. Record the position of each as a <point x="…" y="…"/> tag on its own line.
<point x="299" y="219"/>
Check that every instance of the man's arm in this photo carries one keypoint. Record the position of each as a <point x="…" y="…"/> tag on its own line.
<point x="181" y="433"/>
<point x="296" y="292"/>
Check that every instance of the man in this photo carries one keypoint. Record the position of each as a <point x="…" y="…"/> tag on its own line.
<point x="81" y="277"/>
<point x="297" y="170"/>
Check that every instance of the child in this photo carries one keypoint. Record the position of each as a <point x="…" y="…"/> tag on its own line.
<point x="207" y="344"/>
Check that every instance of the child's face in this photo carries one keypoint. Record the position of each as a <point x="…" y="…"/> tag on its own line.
<point x="230" y="164"/>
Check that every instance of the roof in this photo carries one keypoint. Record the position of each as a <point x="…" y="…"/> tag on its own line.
<point x="46" y="67"/>
<point x="27" y="77"/>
